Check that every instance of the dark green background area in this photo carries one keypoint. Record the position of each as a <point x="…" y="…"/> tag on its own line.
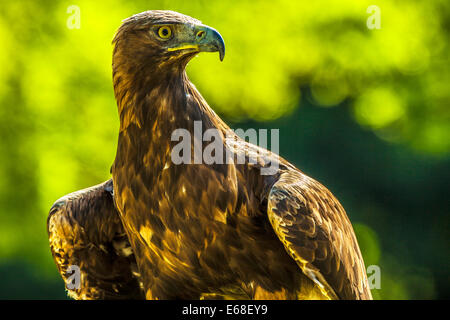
<point x="365" y="112"/>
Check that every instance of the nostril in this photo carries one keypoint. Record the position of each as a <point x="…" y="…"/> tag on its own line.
<point x="200" y="34"/>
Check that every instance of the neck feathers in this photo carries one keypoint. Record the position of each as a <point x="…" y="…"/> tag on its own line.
<point x="153" y="96"/>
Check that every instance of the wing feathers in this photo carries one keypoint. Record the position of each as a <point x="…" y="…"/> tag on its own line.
<point x="84" y="230"/>
<point x="317" y="234"/>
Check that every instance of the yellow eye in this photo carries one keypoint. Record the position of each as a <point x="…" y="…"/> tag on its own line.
<point x="164" y="32"/>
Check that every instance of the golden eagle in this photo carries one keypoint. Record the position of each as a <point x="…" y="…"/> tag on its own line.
<point x="162" y="230"/>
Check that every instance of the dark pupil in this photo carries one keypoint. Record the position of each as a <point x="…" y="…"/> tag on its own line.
<point x="165" y="32"/>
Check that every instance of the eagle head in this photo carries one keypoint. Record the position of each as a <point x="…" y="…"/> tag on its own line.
<point x="159" y="38"/>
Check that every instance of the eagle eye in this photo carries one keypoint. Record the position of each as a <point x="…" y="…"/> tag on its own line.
<point x="164" y="32"/>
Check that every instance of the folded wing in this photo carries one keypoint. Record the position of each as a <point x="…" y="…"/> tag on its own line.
<point x="86" y="234"/>
<point x="317" y="234"/>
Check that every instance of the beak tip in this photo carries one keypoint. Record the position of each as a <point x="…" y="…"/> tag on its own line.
<point x="212" y="41"/>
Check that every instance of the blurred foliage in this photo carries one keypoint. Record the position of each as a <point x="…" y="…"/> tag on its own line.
<point x="383" y="149"/>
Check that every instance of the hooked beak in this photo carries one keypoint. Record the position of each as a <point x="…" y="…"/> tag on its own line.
<point x="204" y="39"/>
<point x="209" y="40"/>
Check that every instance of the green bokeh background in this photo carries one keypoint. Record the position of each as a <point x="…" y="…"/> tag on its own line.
<point x="364" y="111"/>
